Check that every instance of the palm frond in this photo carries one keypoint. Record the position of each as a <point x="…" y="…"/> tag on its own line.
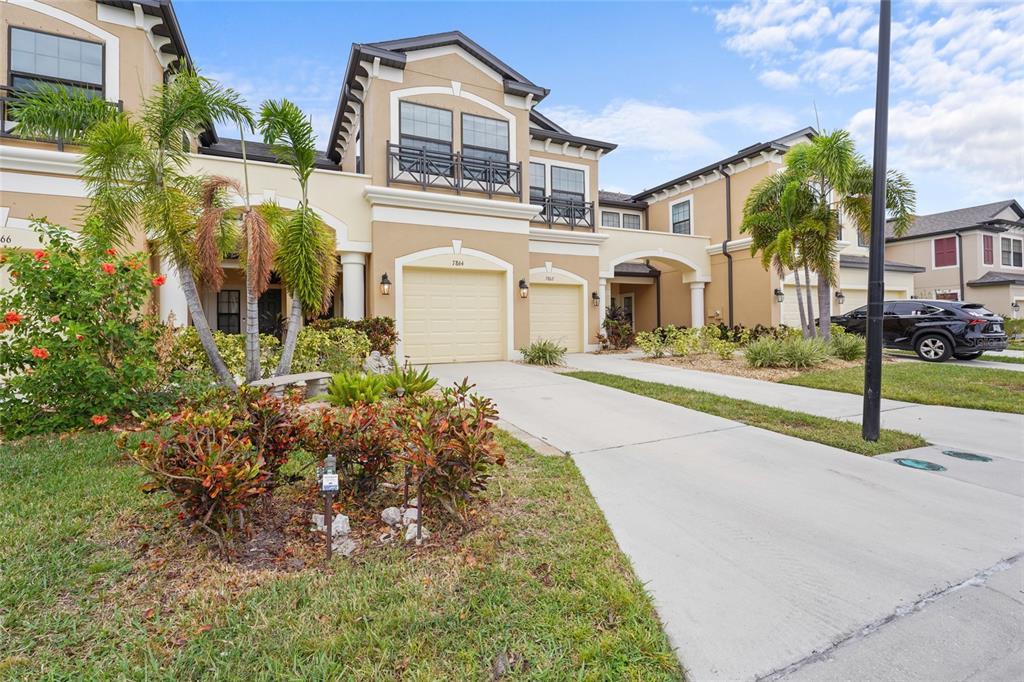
<point x="216" y="232"/>
<point x="290" y="135"/>
<point x="114" y="166"/>
<point x="55" y="112"/>
<point x="258" y="250"/>
<point x="304" y="245"/>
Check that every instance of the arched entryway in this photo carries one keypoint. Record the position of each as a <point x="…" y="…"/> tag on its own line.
<point x="655" y="288"/>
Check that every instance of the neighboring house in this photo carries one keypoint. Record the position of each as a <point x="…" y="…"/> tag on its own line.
<point x="968" y="254"/>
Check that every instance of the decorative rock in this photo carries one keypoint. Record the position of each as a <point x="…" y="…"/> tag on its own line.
<point x="414" y="502"/>
<point x="339" y="524"/>
<point x="409" y="516"/>
<point x="410" y="532"/>
<point x="391" y="516"/>
<point x="345" y="546"/>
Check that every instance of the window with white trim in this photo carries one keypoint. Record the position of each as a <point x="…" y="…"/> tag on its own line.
<point x="38" y="59"/>
<point x="568" y="183"/>
<point x="681" y="218"/>
<point x="423" y="127"/>
<point x="1011" y="252"/>
<point x="609" y="219"/>
<point x="944" y="252"/>
<point x="631" y="221"/>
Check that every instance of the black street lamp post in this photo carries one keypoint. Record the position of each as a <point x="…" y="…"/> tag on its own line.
<point x="876" y="263"/>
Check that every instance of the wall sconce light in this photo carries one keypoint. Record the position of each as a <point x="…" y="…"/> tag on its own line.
<point x="779" y="295"/>
<point x="524" y="289"/>
<point x="595" y="299"/>
<point x="1016" y="306"/>
<point x="385" y="285"/>
<point x="840" y="296"/>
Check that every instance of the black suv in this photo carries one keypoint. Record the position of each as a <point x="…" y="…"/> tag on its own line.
<point x="935" y="330"/>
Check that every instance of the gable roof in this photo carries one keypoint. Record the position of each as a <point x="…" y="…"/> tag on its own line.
<point x="393" y="53"/>
<point x="780" y="144"/>
<point x="997" y="278"/>
<point x="620" y="200"/>
<point x="981" y="217"/>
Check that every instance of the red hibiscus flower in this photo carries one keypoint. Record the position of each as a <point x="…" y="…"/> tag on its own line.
<point x="99" y="419"/>
<point x="110" y="252"/>
<point x="159" y="281"/>
<point x="79" y="337"/>
<point x="108" y="268"/>
<point x="40" y="353"/>
<point x="134" y="264"/>
<point x="39" y="255"/>
<point x="12" y="317"/>
<point x="3" y="327"/>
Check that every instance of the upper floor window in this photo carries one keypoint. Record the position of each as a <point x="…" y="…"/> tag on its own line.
<point x="38" y="58"/>
<point x="423" y="127"/>
<point x="631" y="221"/>
<point x="681" y="218"/>
<point x="1012" y="251"/>
<point x="609" y="219"/>
<point x="988" y="256"/>
<point x="568" y="183"/>
<point x="538" y="183"/>
<point x="484" y="138"/>
<point x="944" y="252"/>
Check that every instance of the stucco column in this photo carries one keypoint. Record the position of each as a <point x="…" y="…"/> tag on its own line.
<point x="696" y="304"/>
<point x="353" y="285"/>
<point x="602" y="292"/>
<point x="172" y="296"/>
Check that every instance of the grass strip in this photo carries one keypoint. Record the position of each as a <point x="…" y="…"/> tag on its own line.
<point x="979" y="388"/>
<point x="539" y="580"/>
<point x="833" y="432"/>
<point x="995" y="357"/>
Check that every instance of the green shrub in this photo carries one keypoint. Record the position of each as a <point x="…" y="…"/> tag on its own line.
<point x="218" y="460"/>
<point x="364" y="441"/>
<point x="381" y="331"/>
<point x="764" y="352"/>
<point x="408" y="381"/>
<point x="335" y="350"/>
<point x="188" y="354"/>
<point x="348" y="388"/>
<point x="618" y="332"/>
<point x="846" y="346"/>
<point x="75" y="348"/>
<point x="543" y="352"/>
<point x="651" y="343"/>
<point x="803" y="353"/>
<point x="1014" y="327"/>
<point x="722" y="348"/>
<point x="685" y="343"/>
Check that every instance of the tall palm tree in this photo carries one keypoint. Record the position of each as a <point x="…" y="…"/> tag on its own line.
<point x="135" y="171"/>
<point x="837" y="183"/>
<point x="305" y="257"/>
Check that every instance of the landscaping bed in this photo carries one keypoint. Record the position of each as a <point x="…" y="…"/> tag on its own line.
<point x="99" y="580"/>
<point x="738" y="366"/>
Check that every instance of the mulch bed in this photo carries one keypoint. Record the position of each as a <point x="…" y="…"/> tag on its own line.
<point x="737" y="366"/>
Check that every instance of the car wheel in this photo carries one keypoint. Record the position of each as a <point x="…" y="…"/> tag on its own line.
<point x="933" y="348"/>
<point x="967" y="356"/>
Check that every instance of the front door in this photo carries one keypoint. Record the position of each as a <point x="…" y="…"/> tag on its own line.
<point x="270" y="312"/>
<point x="627" y="309"/>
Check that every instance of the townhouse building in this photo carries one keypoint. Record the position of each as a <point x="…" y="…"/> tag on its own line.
<point x="458" y="207"/>
<point x="968" y="254"/>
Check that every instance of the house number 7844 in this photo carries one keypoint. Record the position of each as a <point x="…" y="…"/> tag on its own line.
<point x="458" y="263"/>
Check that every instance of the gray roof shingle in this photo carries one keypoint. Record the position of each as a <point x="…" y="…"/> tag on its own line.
<point x="997" y="277"/>
<point x="948" y="221"/>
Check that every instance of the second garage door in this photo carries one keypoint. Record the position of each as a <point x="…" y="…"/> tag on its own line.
<point x="555" y="314"/>
<point x="453" y="315"/>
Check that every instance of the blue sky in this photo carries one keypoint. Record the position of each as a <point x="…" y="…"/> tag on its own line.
<point x="679" y="85"/>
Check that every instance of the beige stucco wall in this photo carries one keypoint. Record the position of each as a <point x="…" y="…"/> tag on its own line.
<point x="685" y="251"/>
<point x="753" y="291"/>
<point x="998" y="299"/>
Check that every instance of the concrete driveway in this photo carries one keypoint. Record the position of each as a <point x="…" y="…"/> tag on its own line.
<point x="774" y="558"/>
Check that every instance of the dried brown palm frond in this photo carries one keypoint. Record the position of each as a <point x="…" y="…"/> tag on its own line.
<point x="210" y="227"/>
<point x="258" y="250"/>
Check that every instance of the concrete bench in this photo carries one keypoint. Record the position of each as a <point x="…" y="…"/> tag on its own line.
<point x="314" y="383"/>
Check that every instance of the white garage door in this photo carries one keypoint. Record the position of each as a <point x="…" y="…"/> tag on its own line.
<point x="453" y="315"/>
<point x="855" y="298"/>
<point x="555" y="314"/>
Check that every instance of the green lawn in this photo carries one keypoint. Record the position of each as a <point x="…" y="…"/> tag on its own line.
<point x="930" y="384"/>
<point x="89" y="588"/>
<point x="834" y="432"/>
<point x="996" y="357"/>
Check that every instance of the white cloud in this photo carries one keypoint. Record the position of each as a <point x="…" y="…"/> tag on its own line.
<point x="778" y="79"/>
<point x="957" y="87"/>
<point x="670" y="132"/>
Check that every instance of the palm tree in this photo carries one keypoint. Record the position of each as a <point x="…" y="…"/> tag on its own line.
<point x="305" y="257"/>
<point x="135" y="171"/>
<point x="837" y="183"/>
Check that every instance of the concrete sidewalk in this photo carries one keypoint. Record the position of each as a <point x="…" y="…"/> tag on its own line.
<point x="989" y="433"/>
<point x="766" y="555"/>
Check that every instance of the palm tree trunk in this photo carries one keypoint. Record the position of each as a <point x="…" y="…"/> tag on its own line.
<point x="291" y="337"/>
<point x="810" y="306"/>
<point x="800" y="301"/>
<point x="824" y="308"/>
<point x="253" y="371"/>
<point x="188" y="285"/>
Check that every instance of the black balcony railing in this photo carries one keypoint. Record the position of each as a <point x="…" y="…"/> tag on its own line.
<point x="8" y="96"/>
<point x="566" y="211"/>
<point x="452" y="170"/>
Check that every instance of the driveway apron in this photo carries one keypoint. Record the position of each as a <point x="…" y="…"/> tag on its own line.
<point x="766" y="555"/>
